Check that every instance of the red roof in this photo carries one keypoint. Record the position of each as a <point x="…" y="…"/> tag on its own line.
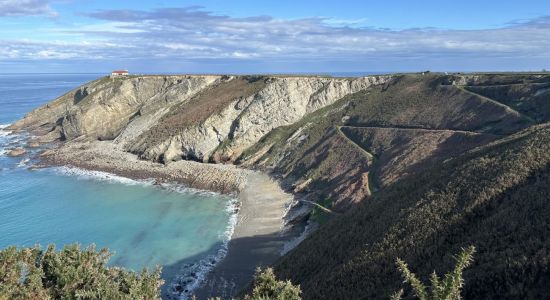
<point x="120" y="71"/>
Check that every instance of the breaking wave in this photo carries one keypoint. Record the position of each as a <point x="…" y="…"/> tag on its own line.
<point x="4" y="139"/>
<point x="99" y="175"/>
<point x="192" y="275"/>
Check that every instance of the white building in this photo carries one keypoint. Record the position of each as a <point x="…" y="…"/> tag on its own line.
<point x="118" y="73"/>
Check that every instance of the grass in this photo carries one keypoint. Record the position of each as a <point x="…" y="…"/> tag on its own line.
<point x="524" y="97"/>
<point x="319" y="215"/>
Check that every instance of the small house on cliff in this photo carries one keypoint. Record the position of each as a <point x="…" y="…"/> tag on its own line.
<point x="118" y="73"/>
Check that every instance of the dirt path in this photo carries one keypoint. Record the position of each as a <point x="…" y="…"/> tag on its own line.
<point x="257" y="240"/>
<point x="464" y="89"/>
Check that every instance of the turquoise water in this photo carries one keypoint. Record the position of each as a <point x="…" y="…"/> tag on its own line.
<point x="145" y="225"/>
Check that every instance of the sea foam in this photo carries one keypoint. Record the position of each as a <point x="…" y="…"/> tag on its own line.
<point x="99" y="175"/>
<point x="3" y="131"/>
<point x="178" y="188"/>
<point x="193" y="275"/>
<point x="4" y="138"/>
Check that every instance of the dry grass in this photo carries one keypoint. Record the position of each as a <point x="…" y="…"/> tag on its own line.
<point x="209" y="102"/>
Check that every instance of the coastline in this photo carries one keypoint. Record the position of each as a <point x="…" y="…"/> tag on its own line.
<point x="104" y="156"/>
<point x="257" y="238"/>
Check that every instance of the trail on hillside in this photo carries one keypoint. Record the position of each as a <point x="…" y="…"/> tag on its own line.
<point x="464" y="89"/>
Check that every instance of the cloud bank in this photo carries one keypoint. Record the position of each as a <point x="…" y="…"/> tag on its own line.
<point x="192" y="33"/>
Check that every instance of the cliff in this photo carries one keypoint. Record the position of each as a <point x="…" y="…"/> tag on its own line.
<point x="167" y="118"/>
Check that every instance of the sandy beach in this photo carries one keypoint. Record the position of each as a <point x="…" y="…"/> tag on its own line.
<point x="258" y="238"/>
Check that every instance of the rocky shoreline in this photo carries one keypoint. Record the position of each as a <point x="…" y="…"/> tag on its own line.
<point x="104" y="156"/>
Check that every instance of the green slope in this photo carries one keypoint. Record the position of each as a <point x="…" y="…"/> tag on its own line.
<point x="496" y="198"/>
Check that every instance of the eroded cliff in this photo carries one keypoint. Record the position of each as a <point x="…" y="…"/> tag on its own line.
<point x="167" y="118"/>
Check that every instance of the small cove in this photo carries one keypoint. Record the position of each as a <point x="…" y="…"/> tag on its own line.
<point x="145" y="225"/>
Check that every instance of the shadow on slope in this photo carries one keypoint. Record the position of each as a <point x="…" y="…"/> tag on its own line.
<point x="230" y="275"/>
<point x="495" y="198"/>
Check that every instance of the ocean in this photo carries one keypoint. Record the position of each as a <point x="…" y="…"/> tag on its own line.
<point x="183" y="230"/>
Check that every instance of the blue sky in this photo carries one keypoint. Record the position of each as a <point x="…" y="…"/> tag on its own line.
<point x="273" y="36"/>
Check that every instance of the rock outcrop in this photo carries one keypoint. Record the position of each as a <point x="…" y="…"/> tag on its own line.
<point x="156" y="117"/>
<point x="16" y="152"/>
<point x="103" y="109"/>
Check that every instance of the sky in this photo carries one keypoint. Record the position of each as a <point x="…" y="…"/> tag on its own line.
<point x="299" y="36"/>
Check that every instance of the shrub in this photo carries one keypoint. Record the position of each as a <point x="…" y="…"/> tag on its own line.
<point x="447" y="288"/>
<point x="72" y="273"/>
<point x="267" y="287"/>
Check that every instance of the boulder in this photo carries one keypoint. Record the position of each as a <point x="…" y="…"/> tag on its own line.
<point x="17" y="152"/>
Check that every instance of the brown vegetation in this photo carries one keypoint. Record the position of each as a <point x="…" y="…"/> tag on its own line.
<point x="495" y="197"/>
<point x="208" y="102"/>
<point x="409" y="124"/>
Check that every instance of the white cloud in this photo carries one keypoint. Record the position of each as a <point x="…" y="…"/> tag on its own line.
<point x="26" y="8"/>
<point x="192" y="33"/>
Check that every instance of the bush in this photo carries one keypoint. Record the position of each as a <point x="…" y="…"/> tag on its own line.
<point x="72" y="273"/>
<point x="447" y="288"/>
<point x="267" y="287"/>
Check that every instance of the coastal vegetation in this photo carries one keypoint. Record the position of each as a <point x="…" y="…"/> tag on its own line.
<point x="494" y="197"/>
<point x="446" y="288"/>
<point x="409" y="123"/>
<point x="267" y="287"/>
<point x="71" y="273"/>
<point x="76" y="273"/>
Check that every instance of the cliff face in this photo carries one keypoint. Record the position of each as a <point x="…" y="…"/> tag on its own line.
<point x="103" y="108"/>
<point x="157" y="118"/>
<point x="244" y="118"/>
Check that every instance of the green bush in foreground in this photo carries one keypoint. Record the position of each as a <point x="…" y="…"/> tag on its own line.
<point x="72" y="273"/>
<point x="75" y="273"/>
<point x="447" y="288"/>
<point x="267" y="287"/>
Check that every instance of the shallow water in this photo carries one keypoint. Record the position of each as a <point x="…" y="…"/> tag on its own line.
<point x="145" y="225"/>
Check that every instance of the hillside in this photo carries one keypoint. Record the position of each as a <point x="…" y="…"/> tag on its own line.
<point x="337" y="139"/>
<point x="414" y="166"/>
<point x="386" y="131"/>
<point x="494" y="197"/>
<point x="168" y="118"/>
